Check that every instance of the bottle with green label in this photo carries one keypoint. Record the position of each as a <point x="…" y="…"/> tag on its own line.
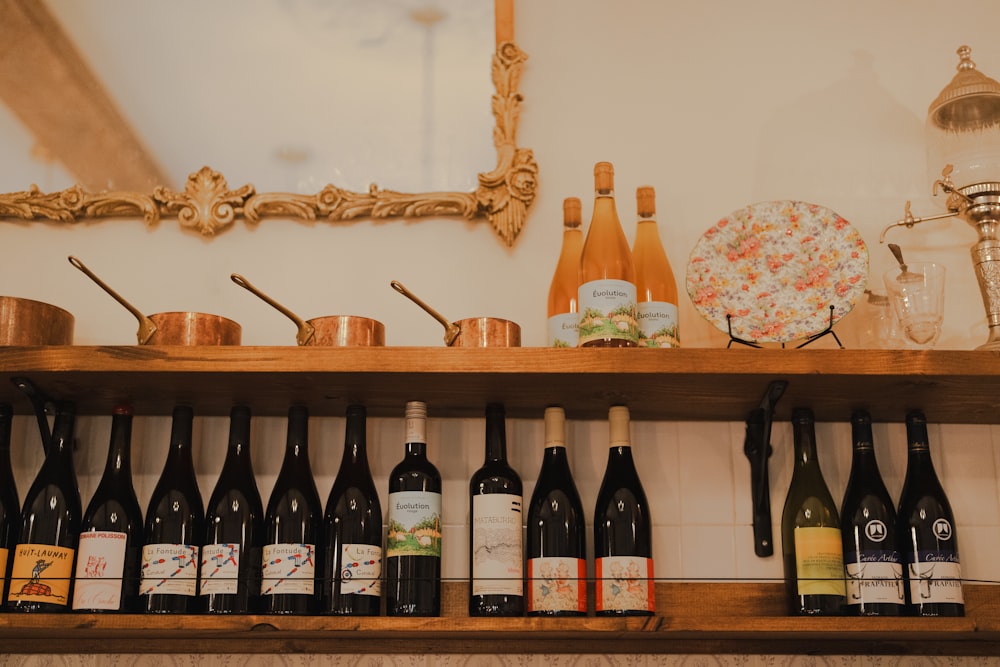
<point x="607" y="291"/>
<point x="811" y="546"/>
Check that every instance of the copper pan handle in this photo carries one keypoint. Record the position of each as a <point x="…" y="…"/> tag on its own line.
<point x="451" y="330"/>
<point x="146" y="326"/>
<point x="306" y="330"/>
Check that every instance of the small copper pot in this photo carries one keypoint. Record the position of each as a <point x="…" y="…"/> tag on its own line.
<point x="28" y="322"/>
<point x="328" y="331"/>
<point x="472" y="331"/>
<point x="173" y="328"/>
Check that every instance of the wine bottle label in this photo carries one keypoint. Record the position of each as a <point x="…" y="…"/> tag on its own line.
<point x="361" y="569"/>
<point x="41" y="573"/>
<point x="100" y="565"/>
<point x="607" y="311"/>
<point x="220" y="569"/>
<point x="564" y="330"/>
<point x="496" y="545"/>
<point x="819" y="561"/>
<point x="624" y="583"/>
<point x="557" y="584"/>
<point x="657" y="324"/>
<point x="936" y="578"/>
<point x="414" y="521"/>
<point x="169" y="569"/>
<point x="877" y="578"/>
<point x="288" y="568"/>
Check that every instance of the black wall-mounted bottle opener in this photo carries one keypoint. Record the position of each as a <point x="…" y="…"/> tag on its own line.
<point x="757" y="447"/>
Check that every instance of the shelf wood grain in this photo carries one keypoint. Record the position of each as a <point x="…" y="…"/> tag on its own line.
<point x="697" y="384"/>
<point x="693" y="617"/>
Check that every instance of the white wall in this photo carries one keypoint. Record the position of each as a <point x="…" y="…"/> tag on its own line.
<point x="718" y="105"/>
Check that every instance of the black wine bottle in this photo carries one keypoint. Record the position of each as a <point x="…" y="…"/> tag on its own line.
<point x="230" y="574"/>
<point x="556" y="549"/>
<point x="496" y="554"/>
<point x="174" y="529"/>
<point x="41" y="579"/>
<point x="10" y="510"/>
<point x="623" y="535"/>
<point x="871" y="558"/>
<point x="291" y="528"/>
<point x="926" y="531"/>
<point x="352" y="530"/>
<point x="110" y="553"/>
<point x="811" y="545"/>
<point x="413" y="541"/>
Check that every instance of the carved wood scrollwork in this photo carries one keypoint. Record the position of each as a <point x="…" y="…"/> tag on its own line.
<point x="208" y="206"/>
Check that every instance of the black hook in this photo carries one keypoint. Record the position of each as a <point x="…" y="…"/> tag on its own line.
<point x="757" y="447"/>
<point x="43" y="405"/>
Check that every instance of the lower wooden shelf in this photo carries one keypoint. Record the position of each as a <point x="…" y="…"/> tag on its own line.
<point x="692" y="618"/>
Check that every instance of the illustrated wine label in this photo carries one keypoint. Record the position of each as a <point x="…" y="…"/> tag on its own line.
<point x="624" y="583"/>
<point x="877" y="578"/>
<point x="936" y="576"/>
<point x="414" y="520"/>
<point x="819" y="561"/>
<point x="496" y="545"/>
<point x="41" y="573"/>
<point x="100" y="565"/>
<point x="564" y="330"/>
<point x="360" y="569"/>
<point x="657" y="324"/>
<point x="288" y="568"/>
<point x="169" y="569"/>
<point x="607" y="311"/>
<point x="220" y="569"/>
<point x="557" y="584"/>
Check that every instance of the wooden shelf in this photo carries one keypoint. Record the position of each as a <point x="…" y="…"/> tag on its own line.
<point x="693" y="618"/>
<point x="685" y="384"/>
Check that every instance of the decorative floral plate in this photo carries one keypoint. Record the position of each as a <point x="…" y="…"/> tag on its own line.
<point x="776" y="268"/>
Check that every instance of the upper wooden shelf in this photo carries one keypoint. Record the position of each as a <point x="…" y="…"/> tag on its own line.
<point x="684" y="384"/>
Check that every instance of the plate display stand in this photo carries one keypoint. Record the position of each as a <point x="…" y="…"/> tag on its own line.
<point x="828" y="331"/>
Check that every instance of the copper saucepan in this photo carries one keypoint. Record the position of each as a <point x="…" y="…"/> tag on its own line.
<point x="176" y="328"/>
<point x="28" y="322"/>
<point x="330" y="331"/>
<point x="472" y="331"/>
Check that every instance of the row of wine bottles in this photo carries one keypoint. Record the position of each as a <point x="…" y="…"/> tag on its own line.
<point x="604" y="294"/>
<point x="236" y="556"/>
<point x="869" y="559"/>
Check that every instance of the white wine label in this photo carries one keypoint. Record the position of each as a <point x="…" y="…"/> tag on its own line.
<point x="169" y="569"/>
<point x="288" y="568"/>
<point x="564" y="330"/>
<point x="874" y="582"/>
<point x="607" y="311"/>
<point x="361" y="569"/>
<point x="624" y="583"/>
<point x="414" y="520"/>
<point x="819" y="561"/>
<point x="100" y="564"/>
<point x="657" y="324"/>
<point x="936" y="581"/>
<point x="497" y="554"/>
<point x="557" y="584"/>
<point x="220" y="569"/>
<point x="41" y="574"/>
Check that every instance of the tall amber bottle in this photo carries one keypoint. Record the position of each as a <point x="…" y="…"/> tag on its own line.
<point x="607" y="274"/>
<point x="656" y="289"/>
<point x="564" y="318"/>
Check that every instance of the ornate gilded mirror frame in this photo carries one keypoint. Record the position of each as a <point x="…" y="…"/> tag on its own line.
<point x="209" y="206"/>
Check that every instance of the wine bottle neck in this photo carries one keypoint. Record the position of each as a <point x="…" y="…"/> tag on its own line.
<point x="804" y="437"/>
<point x="61" y="444"/>
<point x="119" y="462"/>
<point x="496" y="437"/>
<point x="416" y="449"/>
<point x="355" y="450"/>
